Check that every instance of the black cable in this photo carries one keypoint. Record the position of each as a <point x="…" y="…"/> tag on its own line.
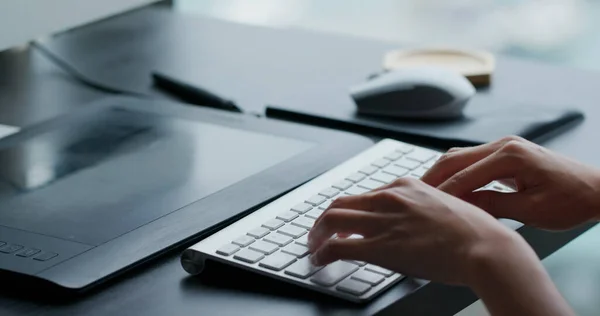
<point x="64" y="65"/>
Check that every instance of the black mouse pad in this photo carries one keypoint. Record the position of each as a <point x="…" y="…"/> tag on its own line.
<point x="486" y="119"/>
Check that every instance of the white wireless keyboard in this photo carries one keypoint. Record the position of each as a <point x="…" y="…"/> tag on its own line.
<point x="273" y="240"/>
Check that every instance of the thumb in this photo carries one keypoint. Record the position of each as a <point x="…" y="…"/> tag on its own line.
<point x="500" y="205"/>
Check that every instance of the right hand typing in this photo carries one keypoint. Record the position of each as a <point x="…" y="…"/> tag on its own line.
<point x="553" y="192"/>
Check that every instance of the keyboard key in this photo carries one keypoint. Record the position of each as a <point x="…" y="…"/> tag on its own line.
<point x="330" y="192"/>
<point x="28" y="252"/>
<point x="353" y="287"/>
<point x="368" y="277"/>
<point x="316" y="200"/>
<point x="248" y="256"/>
<point x="420" y="155"/>
<point x="296" y="250"/>
<point x="405" y="148"/>
<point x="278" y="239"/>
<point x="264" y="247"/>
<point x="408" y="164"/>
<point x="356" y="177"/>
<point x="325" y="205"/>
<point x="287" y="216"/>
<point x="10" y="248"/>
<point x="370" y="184"/>
<point x="343" y="185"/>
<point x="277" y="261"/>
<point x="419" y="172"/>
<point x="368" y="170"/>
<point x="259" y="232"/>
<point x="396" y="170"/>
<point x="302" y="268"/>
<point x="302" y="208"/>
<point x="384" y="177"/>
<point x="273" y="224"/>
<point x="414" y="176"/>
<point x="304" y="222"/>
<point x="315" y="213"/>
<point x="430" y="163"/>
<point x="380" y="163"/>
<point x="302" y="240"/>
<point x="292" y="231"/>
<point x="45" y="256"/>
<point x="394" y="155"/>
<point x="380" y="270"/>
<point x="244" y="241"/>
<point x="228" y="250"/>
<point x="334" y="273"/>
<point x="356" y="191"/>
<point x="358" y="263"/>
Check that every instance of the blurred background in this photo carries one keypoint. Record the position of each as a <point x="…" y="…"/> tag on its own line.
<point x="556" y="31"/>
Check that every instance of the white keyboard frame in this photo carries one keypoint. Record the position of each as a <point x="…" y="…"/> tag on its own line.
<point x="193" y="258"/>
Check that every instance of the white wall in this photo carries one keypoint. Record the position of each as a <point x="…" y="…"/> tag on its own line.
<point x="23" y="20"/>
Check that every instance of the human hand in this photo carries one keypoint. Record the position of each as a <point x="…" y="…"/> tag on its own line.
<point x="553" y="192"/>
<point x="412" y="228"/>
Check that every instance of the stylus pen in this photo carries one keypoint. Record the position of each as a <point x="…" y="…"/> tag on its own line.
<point x="192" y="94"/>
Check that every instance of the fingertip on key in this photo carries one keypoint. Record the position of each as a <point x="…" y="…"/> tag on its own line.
<point x="314" y="260"/>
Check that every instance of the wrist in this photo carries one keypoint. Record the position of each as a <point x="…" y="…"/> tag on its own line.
<point x="510" y="280"/>
<point x="489" y="258"/>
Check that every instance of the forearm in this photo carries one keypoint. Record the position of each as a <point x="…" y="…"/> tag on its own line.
<point x="510" y="280"/>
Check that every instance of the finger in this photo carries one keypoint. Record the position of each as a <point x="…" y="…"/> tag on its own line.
<point x="342" y="249"/>
<point x="346" y="222"/>
<point x="500" y="205"/>
<point x="354" y="202"/>
<point x="362" y="202"/>
<point x="456" y="160"/>
<point x="479" y="174"/>
<point x="367" y="202"/>
<point x="456" y="149"/>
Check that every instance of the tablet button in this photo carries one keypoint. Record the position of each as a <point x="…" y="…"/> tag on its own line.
<point x="28" y="252"/>
<point x="10" y="248"/>
<point x="45" y="256"/>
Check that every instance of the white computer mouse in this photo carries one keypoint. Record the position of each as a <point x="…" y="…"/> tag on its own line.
<point x="414" y="93"/>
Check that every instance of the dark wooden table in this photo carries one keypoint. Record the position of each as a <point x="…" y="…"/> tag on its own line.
<point x="254" y="66"/>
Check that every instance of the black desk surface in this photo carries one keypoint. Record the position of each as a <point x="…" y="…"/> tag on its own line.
<point x="255" y="66"/>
